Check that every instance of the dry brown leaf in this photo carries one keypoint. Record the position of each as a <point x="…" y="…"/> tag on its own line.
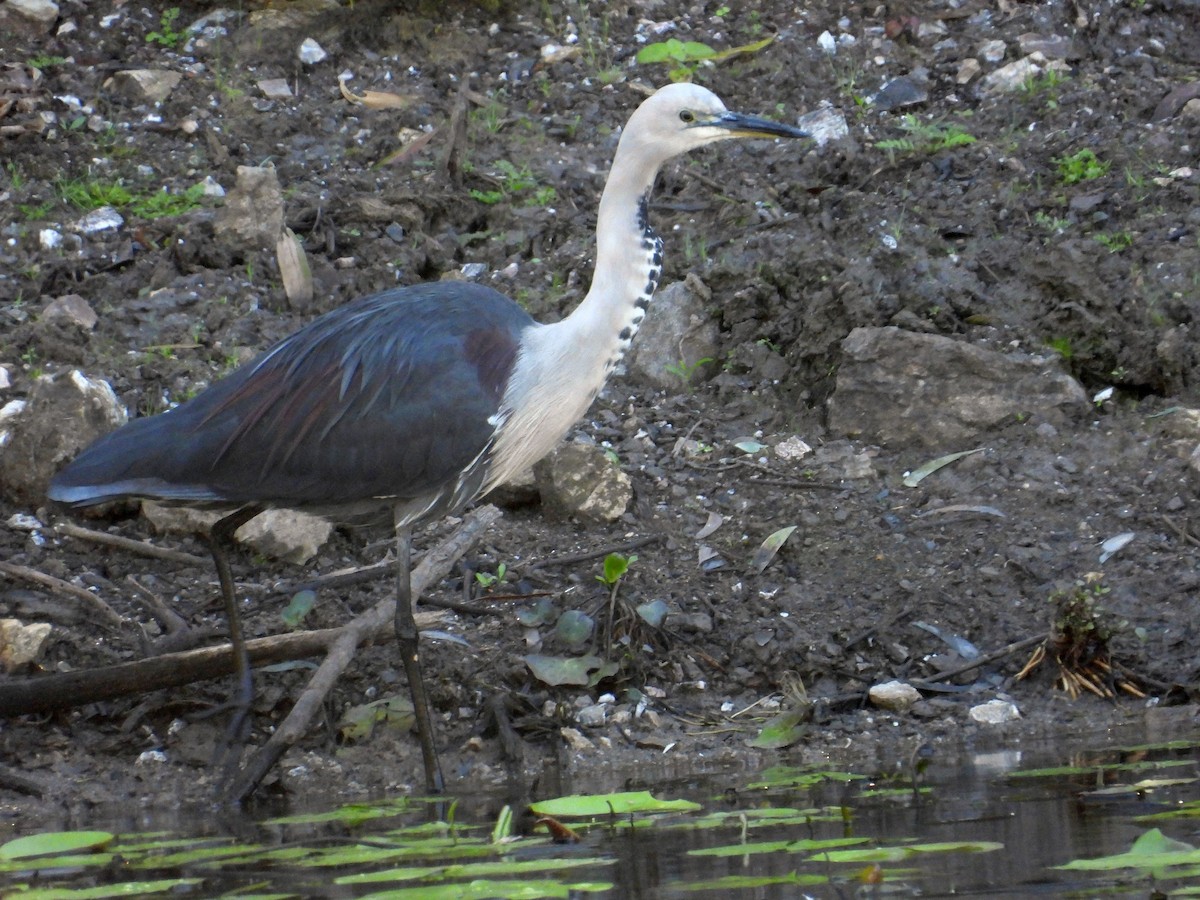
<point x="375" y="99"/>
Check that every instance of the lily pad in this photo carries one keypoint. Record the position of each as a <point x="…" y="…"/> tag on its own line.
<point x="581" y="805"/>
<point x="54" y="843"/>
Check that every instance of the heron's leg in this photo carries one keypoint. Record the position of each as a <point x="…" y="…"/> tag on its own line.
<point x="407" y="637"/>
<point x="220" y="540"/>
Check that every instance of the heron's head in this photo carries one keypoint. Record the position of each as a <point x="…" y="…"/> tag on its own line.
<point x="681" y="117"/>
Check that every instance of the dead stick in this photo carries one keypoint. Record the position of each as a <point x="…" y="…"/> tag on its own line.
<point x="981" y="661"/>
<point x="24" y="573"/>
<point x="341" y="651"/>
<point x="124" y="543"/>
<point x="42" y="694"/>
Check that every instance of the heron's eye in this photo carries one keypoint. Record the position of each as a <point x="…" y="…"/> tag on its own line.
<point x="687" y="116"/>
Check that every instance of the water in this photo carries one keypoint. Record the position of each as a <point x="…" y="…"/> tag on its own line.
<point x="983" y="825"/>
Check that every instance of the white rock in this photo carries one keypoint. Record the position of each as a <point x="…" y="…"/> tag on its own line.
<point x="994" y="712"/>
<point x="44" y="12"/>
<point x="21" y="644"/>
<point x="894" y="695"/>
<point x="103" y="219"/>
<point x="827" y="43"/>
<point x="311" y="52"/>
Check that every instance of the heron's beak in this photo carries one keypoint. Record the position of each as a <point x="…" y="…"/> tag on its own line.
<point x="739" y="125"/>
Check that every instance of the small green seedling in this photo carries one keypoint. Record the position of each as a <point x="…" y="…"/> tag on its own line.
<point x="684" y="370"/>
<point x="167" y="36"/>
<point x="616" y="567"/>
<point x="1115" y="242"/>
<point x="925" y="137"/>
<point x="1082" y="165"/>
<point x="685" y="57"/>
<point x="488" y="580"/>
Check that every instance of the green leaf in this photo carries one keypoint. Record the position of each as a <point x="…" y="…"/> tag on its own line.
<point x="654" y="53"/>
<point x="622" y="803"/>
<point x="1152" y="851"/>
<point x="359" y="722"/>
<point x="782" y="730"/>
<point x="574" y="627"/>
<point x="559" y="670"/>
<point x="540" y="613"/>
<point x="915" y="477"/>
<point x="799" y="845"/>
<point x="765" y="553"/>
<point x="54" y="843"/>
<point x="653" y="613"/>
<point x="301" y="605"/>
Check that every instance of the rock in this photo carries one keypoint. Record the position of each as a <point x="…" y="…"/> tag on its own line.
<point x="275" y="88"/>
<point x="21" y="645"/>
<point x="103" y="219"/>
<point x="64" y="414"/>
<point x="145" y="85"/>
<point x="897" y="387"/>
<point x="285" y="534"/>
<point x="592" y="716"/>
<point x="71" y="308"/>
<point x="792" y="449"/>
<point x="580" y="480"/>
<point x="994" y="712"/>
<point x="967" y="70"/>
<point x="575" y="739"/>
<point x="310" y="52"/>
<point x="894" y="695"/>
<point x="28" y="16"/>
<point x="1052" y="46"/>
<point x="1014" y="76"/>
<point x="825" y="123"/>
<point x="992" y="51"/>
<point x="253" y="212"/>
<point x="904" y="90"/>
<point x="844" y="461"/>
<point x="679" y="339"/>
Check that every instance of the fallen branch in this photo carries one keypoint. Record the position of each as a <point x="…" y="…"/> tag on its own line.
<point x="57" y="585"/>
<point x="124" y="543"/>
<point x="373" y="624"/>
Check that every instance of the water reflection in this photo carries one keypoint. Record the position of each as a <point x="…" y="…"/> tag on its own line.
<point x="988" y="824"/>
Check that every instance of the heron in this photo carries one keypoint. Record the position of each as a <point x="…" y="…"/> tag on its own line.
<point x="418" y="399"/>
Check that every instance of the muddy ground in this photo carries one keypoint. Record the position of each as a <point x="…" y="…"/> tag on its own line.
<point x="990" y="241"/>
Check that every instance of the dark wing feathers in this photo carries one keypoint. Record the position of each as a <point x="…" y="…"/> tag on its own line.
<point x="389" y="396"/>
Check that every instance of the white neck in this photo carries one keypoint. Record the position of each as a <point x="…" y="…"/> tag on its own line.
<point x="563" y="365"/>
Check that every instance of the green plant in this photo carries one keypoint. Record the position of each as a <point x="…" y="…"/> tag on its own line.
<point x="43" y="61"/>
<point x="91" y="194"/>
<point x="685" y="57"/>
<point x="513" y="181"/>
<point x="1046" y="85"/>
<point x="161" y="203"/>
<point x="1082" y="165"/>
<point x="616" y="566"/>
<point x="923" y="137"/>
<point x="167" y="36"/>
<point x="684" y="370"/>
<point x="1061" y="346"/>
<point x="1115" y="242"/>
<point x="1051" y="223"/>
<point x="488" y="580"/>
